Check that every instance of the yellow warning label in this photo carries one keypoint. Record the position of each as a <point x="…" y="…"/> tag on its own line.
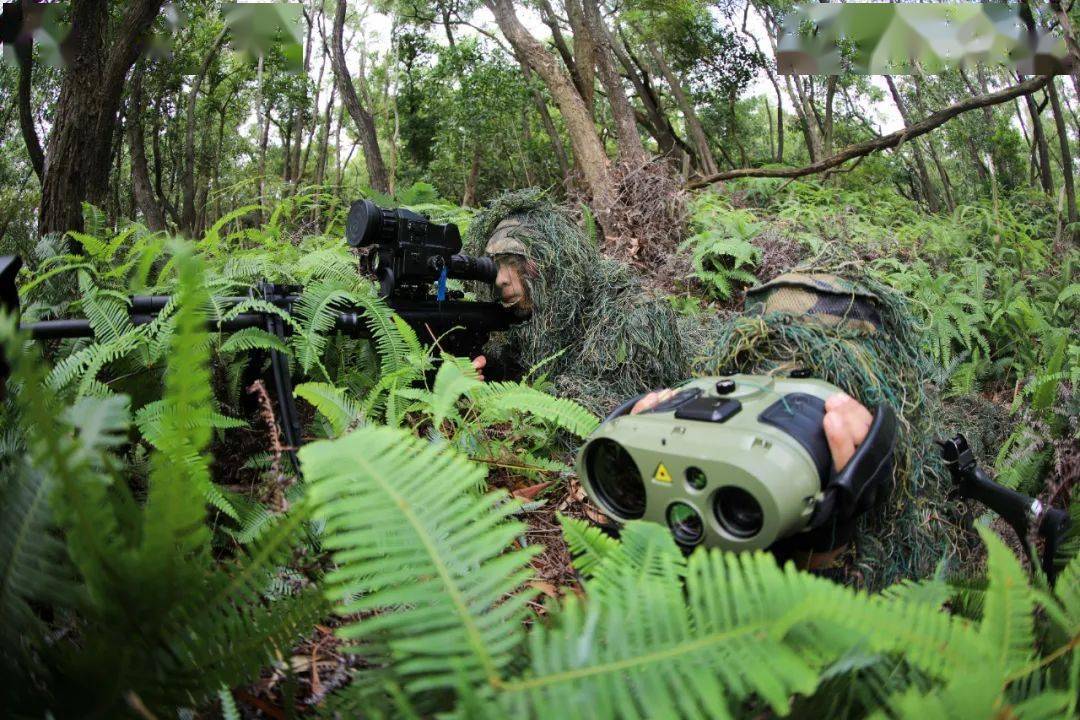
<point x="661" y="474"/>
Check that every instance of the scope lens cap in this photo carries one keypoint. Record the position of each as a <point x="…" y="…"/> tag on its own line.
<point x="362" y="225"/>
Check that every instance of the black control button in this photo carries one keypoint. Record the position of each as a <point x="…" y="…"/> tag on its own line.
<point x="725" y="386"/>
<point x="709" y="409"/>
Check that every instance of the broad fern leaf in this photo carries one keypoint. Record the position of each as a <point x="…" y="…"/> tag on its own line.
<point x="588" y="544"/>
<point x="417" y="547"/>
<point x="1007" y="624"/>
<point x="333" y="403"/>
<point x="253" y="338"/>
<point x="502" y="399"/>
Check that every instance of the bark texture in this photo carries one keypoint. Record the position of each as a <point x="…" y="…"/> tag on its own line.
<point x="77" y="160"/>
<point x="143" y="190"/>
<point x="589" y="154"/>
<point x="365" y="122"/>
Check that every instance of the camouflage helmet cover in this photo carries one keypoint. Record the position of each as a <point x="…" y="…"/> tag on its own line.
<point x="825" y="298"/>
<point x="505" y="239"/>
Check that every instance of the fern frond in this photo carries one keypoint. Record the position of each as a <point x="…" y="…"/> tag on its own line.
<point x="506" y="398"/>
<point x="333" y="403"/>
<point x="454" y="379"/>
<point x="1007" y="626"/>
<point x="253" y="338"/>
<point x="316" y="312"/>
<point x="412" y="541"/>
<point x="588" y="544"/>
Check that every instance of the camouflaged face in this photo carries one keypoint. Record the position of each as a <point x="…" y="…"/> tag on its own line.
<point x="817" y="297"/>
<point x="505" y="238"/>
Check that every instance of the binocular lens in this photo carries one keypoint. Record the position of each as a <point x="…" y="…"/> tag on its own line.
<point x="738" y="512"/>
<point x="685" y="523"/>
<point x="615" y="479"/>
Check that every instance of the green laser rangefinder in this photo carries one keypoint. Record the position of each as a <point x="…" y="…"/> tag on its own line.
<point x="737" y="462"/>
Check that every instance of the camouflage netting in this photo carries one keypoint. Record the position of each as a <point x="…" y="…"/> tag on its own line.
<point x="618" y="341"/>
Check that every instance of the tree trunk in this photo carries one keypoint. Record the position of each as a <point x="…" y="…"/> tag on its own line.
<point x="589" y="152"/>
<point x="365" y="123"/>
<point x="946" y="185"/>
<point x="547" y="14"/>
<point x="316" y="126"/>
<point x="263" y="119"/>
<point x="155" y="144"/>
<point x="779" y="126"/>
<point x="1046" y="177"/>
<point x="548" y="123"/>
<point x="830" y="95"/>
<point x="24" y="54"/>
<point x="920" y="162"/>
<point x="584" y="52"/>
<point x="810" y="122"/>
<point x="188" y="217"/>
<point x="77" y="161"/>
<point x="693" y="124"/>
<point x="630" y="148"/>
<point x="324" y="139"/>
<point x="1066" y="155"/>
<point x="142" y="189"/>
<point x="447" y="24"/>
<point x="654" y="120"/>
<point x="301" y="114"/>
<point x="1071" y="42"/>
<point x="469" y="198"/>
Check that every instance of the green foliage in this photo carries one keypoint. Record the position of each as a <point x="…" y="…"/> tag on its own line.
<point x="722" y="253"/>
<point x="160" y="621"/>
<point x="439" y="550"/>
<point x="657" y="634"/>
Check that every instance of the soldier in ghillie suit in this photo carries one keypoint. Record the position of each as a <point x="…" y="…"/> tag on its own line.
<point x="602" y="336"/>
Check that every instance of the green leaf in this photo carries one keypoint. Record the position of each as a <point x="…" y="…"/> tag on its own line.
<point x="419" y="556"/>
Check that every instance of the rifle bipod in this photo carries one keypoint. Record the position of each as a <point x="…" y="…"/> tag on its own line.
<point x="1021" y="512"/>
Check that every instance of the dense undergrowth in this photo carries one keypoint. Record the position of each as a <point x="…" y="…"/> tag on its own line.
<point x="159" y="554"/>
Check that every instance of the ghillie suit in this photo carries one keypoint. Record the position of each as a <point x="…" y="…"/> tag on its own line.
<point x="860" y="337"/>
<point x="614" y="338"/>
<point x="616" y="342"/>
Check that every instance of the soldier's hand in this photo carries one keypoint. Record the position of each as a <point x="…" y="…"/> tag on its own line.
<point x="846" y="422"/>
<point x="651" y="400"/>
<point x="479" y="362"/>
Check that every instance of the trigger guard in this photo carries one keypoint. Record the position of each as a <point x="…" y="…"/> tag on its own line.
<point x="855" y="487"/>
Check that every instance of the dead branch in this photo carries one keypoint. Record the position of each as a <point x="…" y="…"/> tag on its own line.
<point x="884" y="142"/>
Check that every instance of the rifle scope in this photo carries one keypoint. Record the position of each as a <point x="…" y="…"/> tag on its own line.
<point x="409" y="251"/>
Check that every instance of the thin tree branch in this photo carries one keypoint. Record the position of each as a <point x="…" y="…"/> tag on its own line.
<point x="886" y="141"/>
